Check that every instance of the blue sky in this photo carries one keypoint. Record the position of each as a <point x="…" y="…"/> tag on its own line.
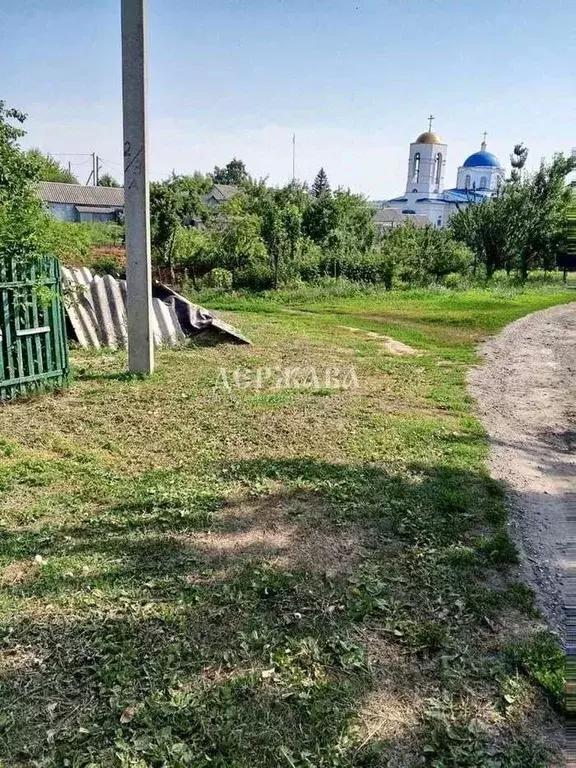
<point x="354" y="80"/>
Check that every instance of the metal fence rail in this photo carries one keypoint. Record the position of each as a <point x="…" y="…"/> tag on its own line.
<point x="33" y="345"/>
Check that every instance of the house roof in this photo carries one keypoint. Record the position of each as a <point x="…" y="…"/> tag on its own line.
<point x="78" y="194"/>
<point x="394" y="216"/>
<point x="388" y="215"/>
<point x="223" y="192"/>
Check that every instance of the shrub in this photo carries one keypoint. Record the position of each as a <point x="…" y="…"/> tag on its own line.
<point x="454" y="280"/>
<point x="258" y="275"/>
<point x="218" y="278"/>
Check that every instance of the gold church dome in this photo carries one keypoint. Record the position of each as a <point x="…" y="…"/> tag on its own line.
<point x="428" y="137"/>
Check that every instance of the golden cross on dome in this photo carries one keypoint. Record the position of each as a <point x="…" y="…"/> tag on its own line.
<point x="430" y="119"/>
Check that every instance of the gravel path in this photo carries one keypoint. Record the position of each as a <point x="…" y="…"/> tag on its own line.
<point x="526" y="394"/>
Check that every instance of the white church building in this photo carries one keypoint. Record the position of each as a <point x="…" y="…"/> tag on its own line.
<point x="478" y="177"/>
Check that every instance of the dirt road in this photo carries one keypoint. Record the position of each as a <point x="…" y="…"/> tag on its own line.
<point x="526" y="394"/>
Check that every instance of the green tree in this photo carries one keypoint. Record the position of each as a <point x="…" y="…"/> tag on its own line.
<point x="175" y="202"/>
<point x="50" y="169"/>
<point x="524" y="225"/>
<point x="320" y="185"/>
<point x="21" y="214"/>
<point x="543" y="214"/>
<point x="106" y="180"/>
<point x="518" y="160"/>
<point x="233" y="173"/>
<point x="241" y="246"/>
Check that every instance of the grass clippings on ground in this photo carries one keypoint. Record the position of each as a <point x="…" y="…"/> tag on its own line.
<point x="258" y="577"/>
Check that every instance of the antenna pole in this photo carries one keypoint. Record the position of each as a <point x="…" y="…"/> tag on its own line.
<point x="293" y="157"/>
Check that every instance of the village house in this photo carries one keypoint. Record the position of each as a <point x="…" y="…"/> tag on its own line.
<point x="77" y="202"/>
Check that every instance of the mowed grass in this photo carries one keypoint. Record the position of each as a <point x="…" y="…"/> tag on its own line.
<point x="200" y="575"/>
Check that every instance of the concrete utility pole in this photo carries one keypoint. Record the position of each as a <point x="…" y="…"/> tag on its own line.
<point x="136" y="193"/>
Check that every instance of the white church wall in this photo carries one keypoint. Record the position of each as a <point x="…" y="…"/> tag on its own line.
<point x="491" y="175"/>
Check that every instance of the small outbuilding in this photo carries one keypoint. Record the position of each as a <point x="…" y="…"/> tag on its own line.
<point x="77" y="202"/>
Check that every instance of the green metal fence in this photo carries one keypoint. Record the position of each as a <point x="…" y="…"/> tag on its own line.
<point x="33" y="345"/>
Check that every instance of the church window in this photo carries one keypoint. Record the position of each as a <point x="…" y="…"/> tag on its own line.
<point x="438" y="168"/>
<point x="416" y="169"/>
<point x="483" y="182"/>
<point x="467" y="181"/>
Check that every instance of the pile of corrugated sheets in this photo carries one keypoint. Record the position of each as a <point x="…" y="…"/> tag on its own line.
<point x="96" y="309"/>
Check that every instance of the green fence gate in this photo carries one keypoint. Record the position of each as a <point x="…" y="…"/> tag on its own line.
<point x="33" y="345"/>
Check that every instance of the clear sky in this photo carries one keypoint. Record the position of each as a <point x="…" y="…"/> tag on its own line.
<point x="354" y="79"/>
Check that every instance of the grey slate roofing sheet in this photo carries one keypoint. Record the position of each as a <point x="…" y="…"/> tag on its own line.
<point x="96" y="309"/>
<point x="79" y="194"/>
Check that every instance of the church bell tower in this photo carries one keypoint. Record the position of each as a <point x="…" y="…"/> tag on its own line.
<point x="426" y="163"/>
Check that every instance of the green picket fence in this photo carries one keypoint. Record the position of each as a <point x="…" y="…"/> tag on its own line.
<point x="33" y="344"/>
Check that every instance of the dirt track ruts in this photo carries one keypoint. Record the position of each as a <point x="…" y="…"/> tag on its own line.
<point x="526" y="399"/>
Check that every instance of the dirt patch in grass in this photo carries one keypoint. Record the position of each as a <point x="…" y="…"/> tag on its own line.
<point x="387" y="343"/>
<point x="283" y="532"/>
<point x="18" y="572"/>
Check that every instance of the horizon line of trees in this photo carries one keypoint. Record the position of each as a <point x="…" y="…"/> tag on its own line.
<point x="265" y="236"/>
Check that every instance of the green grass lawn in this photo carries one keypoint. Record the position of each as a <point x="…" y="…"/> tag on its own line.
<point x="194" y="575"/>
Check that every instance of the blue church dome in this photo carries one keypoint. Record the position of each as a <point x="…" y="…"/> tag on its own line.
<point x="482" y="159"/>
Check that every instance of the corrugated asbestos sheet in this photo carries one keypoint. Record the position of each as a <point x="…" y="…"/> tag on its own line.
<point x="80" y="194"/>
<point x="96" y="309"/>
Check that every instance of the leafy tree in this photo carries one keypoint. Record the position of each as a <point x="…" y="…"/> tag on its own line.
<point x="50" y="169"/>
<point x="524" y="226"/>
<point x="106" y="180"/>
<point x="542" y="214"/>
<point x="196" y="251"/>
<point x="21" y="213"/>
<point x="233" y="173"/>
<point x="241" y="244"/>
<point x="320" y="185"/>
<point x="486" y="229"/>
<point x="175" y="202"/>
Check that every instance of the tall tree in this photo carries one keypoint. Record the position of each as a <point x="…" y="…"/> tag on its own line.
<point x="50" y="169"/>
<point x="320" y="185"/>
<point x="233" y="173"/>
<point x="518" y="161"/>
<point x="106" y="180"/>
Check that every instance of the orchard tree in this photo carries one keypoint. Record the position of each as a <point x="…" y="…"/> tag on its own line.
<point x="523" y="227"/>
<point x="175" y="202"/>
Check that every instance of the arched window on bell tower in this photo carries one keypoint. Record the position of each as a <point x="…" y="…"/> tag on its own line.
<point x="467" y="181"/>
<point x="416" y="168"/>
<point x="483" y="182"/>
<point x="438" y="169"/>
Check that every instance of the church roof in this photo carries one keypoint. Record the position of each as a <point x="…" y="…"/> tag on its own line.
<point x="428" y="137"/>
<point x="482" y="159"/>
